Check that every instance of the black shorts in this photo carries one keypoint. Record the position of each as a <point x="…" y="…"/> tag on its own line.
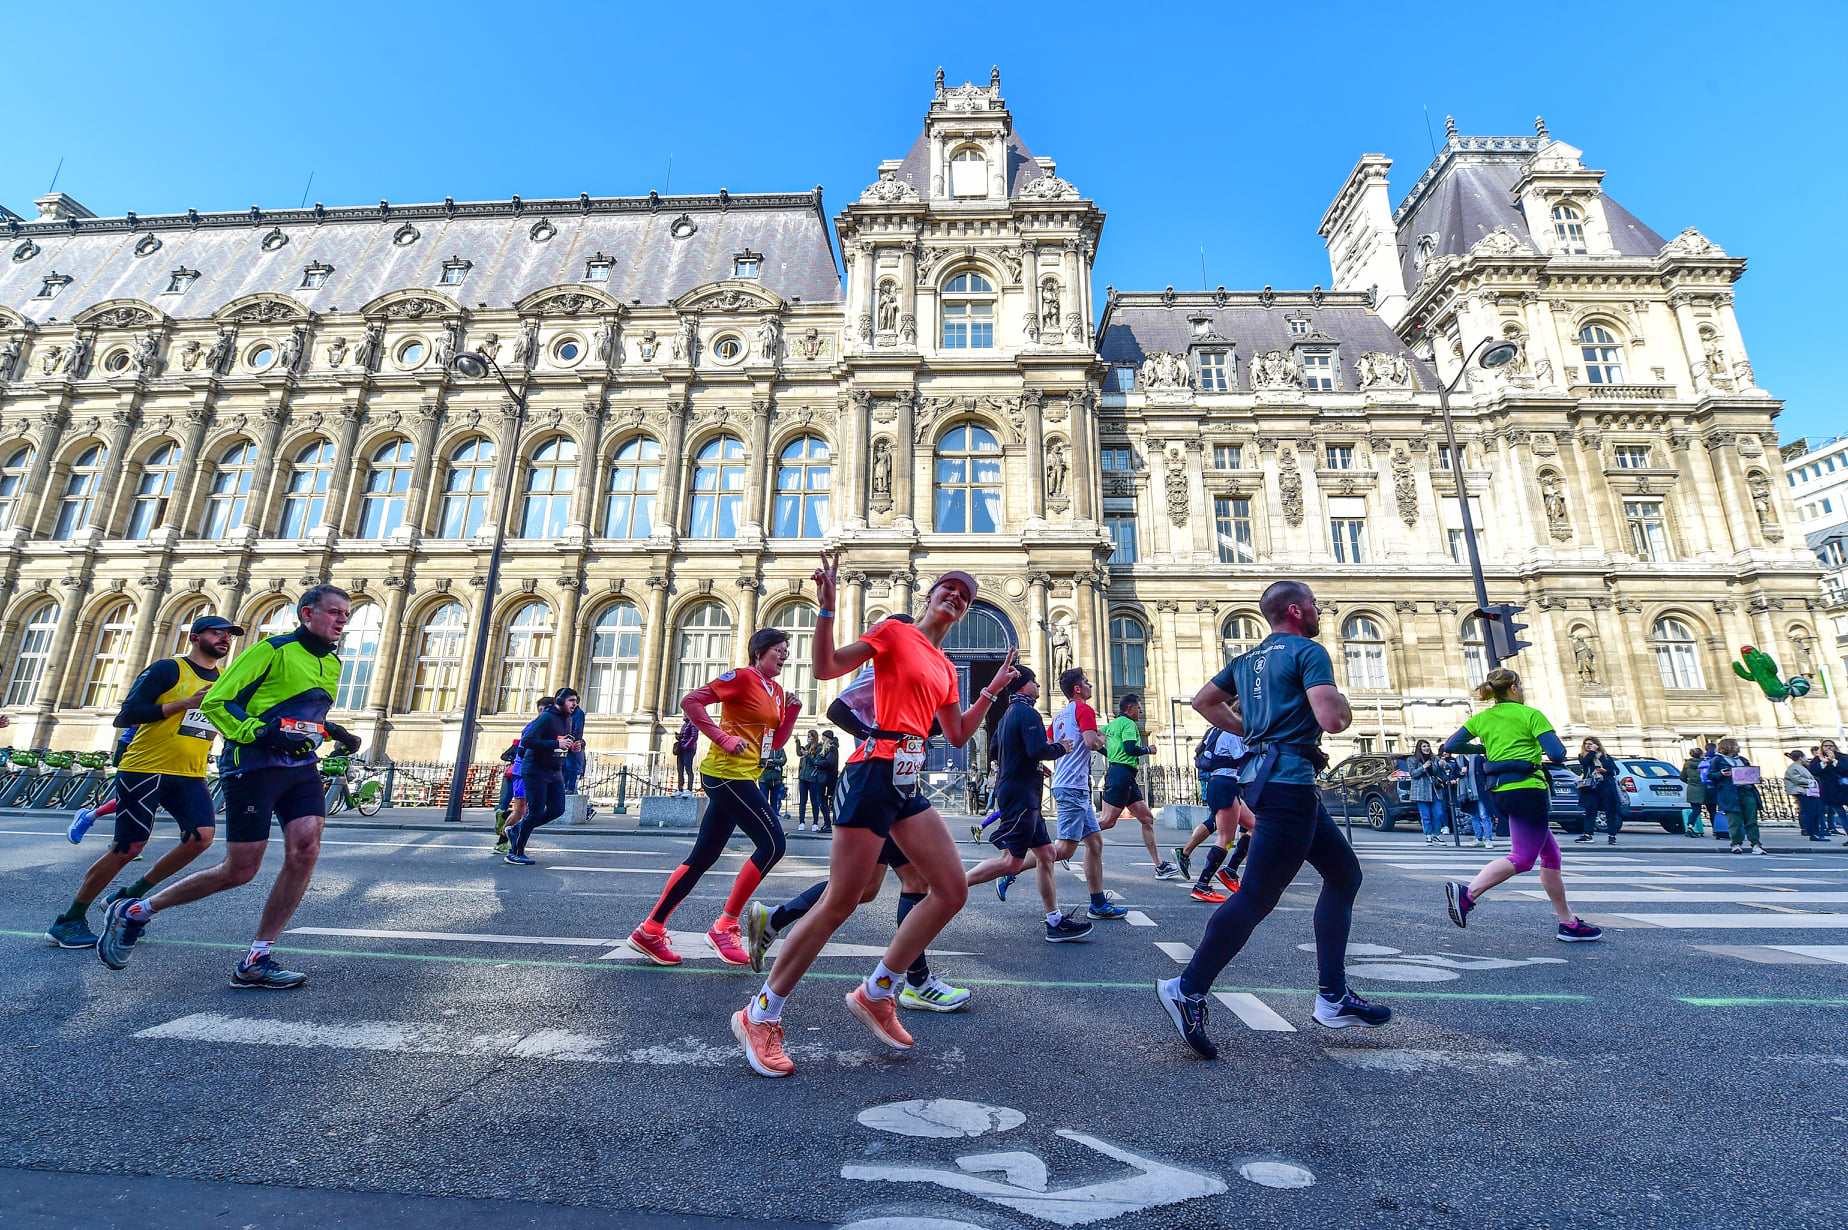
<point x="1120" y="788"/>
<point x="1221" y="793"/>
<point x="873" y="802"/>
<point x="891" y="856"/>
<point x="288" y="793"/>
<point x="1020" y="831"/>
<point x="139" y="794"/>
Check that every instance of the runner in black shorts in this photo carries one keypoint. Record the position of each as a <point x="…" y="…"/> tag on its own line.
<point x="1123" y="752"/>
<point x="271" y="706"/>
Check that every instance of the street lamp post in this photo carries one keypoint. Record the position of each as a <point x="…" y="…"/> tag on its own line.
<point x="1497" y="355"/>
<point x="475" y="365"/>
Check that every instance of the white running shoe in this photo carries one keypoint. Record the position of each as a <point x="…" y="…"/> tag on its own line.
<point x="935" y="995"/>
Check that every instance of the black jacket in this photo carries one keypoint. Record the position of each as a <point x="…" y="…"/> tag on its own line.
<point x="1020" y="745"/>
<point x="539" y="750"/>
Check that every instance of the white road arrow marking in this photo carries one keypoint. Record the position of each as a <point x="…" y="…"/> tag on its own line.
<point x="1155" y="1185"/>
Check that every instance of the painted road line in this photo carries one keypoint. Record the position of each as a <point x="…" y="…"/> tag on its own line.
<point x="1834" y="953"/>
<point x="1136" y="918"/>
<point x="1788" y="897"/>
<point x="1735" y="922"/>
<point x="1694" y="881"/>
<point x="1181" y="953"/>
<point x="466" y="937"/>
<point x="694" y="946"/>
<point x="1254" y="1012"/>
<point x="1761" y="954"/>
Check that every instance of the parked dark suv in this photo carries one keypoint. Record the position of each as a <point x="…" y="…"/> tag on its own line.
<point x="1372" y="789"/>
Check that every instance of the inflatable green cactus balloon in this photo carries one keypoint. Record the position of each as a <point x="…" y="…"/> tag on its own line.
<point x="1761" y="670"/>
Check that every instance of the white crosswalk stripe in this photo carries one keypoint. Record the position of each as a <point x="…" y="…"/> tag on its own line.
<point x="1789" y="897"/>
<point x="1254" y="1012"/>
<point x="1181" y="953"/>
<point x="1136" y="918"/>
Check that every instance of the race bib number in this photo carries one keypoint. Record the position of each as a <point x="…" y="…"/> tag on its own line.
<point x="907" y="760"/>
<point x="194" y="725"/>
<point x="314" y="732"/>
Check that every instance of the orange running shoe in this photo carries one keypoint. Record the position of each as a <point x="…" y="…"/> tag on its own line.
<point x="1207" y="894"/>
<point x="880" y="1016"/>
<point x="763" y="1044"/>
<point x="1229" y="879"/>
<point x="726" y="941"/>
<point x="654" y="947"/>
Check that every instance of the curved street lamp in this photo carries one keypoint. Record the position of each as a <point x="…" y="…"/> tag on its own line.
<point x="474" y="365"/>
<point x="1496" y="354"/>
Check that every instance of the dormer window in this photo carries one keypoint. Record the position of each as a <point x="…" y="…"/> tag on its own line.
<point x="597" y="268"/>
<point x="968" y="173"/>
<point x="1299" y="328"/>
<point x="52" y="286"/>
<point x="747" y="264"/>
<point x="314" y="277"/>
<point x="180" y="280"/>
<point x="1202" y="325"/>
<point x="1124" y="377"/>
<point x="1213" y="371"/>
<point x="454" y="270"/>
<point x="1569" y="229"/>
<point x="1318" y="369"/>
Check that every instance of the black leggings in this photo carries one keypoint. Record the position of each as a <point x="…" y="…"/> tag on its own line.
<point x="731" y="804"/>
<point x="1293" y="828"/>
<point x="545" y="802"/>
<point x="791" y="911"/>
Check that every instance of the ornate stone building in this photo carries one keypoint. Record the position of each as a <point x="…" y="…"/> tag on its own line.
<point x="207" y="412"/>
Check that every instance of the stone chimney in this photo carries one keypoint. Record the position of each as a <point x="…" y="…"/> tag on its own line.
<point x="61" y="207"/>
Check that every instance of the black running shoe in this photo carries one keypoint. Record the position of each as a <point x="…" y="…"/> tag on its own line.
<point x="1350" y="1009"/>
<point x="1458" y="898"/>
<point x="1188" y="1012"/>
<point x="1185" y="860"/>
<point x="264" y="974"/>
<point x="1067" y="929"/>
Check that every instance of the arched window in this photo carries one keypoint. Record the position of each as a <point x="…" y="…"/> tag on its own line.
<point x="80" y="492"/>
<point x="12" y="482"/>
<point x="388" y="485"/>
<point x="1239" y="634"/>
<point x="968" y="313"/>
<point x="1365" y="648"/>
<point x="465" y="489"/>
<point x="635" y="484"/>
<point x="798" y="619"/>
<point x="1602" y="354"/>
<point x="968" y="173"/>
<point x="969" y="482"/>
<point x="305" y="504"/>
<point x="615" y="660"/>
<point x="33" y="652"/>
<point x="1475" y="651"/>
<point x="277" y="619"/>
<point x="1129" y="654"/>
<point x="1569" y="228"/>
<point x="226" y="506"/>
<point x="549" y="483"/>
<point x="718" y="487"/>
<point x="109" y="657"/>
<point x="359" y="653"/>
<point x="703" y="641"/>
<point x="803" y="477"/>
<point x="980" y="631"/>
<point x="182" y="627"/>
<point x="439" y="660"/>
<point x="526" y="659"/>
<point x="1678" y="656"/>
<point x="154" y="491"/>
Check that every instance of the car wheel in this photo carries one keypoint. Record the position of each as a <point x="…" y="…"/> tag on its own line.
<point x="1378" y="818"/>
<point x="1673" y="823"/>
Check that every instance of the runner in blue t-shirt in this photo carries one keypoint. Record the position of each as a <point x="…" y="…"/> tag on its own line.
<point x="1287" y="699"/>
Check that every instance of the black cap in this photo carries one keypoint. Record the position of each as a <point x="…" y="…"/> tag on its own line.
<point x="211" y="623"/>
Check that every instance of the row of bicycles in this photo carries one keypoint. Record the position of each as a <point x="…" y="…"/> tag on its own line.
<point x="39" y="779"/>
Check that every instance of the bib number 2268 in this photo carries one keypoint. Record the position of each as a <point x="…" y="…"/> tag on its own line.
<point x="907" y="761"/>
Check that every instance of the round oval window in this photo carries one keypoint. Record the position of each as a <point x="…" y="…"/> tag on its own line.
<point x="728" y="348"/>
<point x="262" y="356"/>
<point x="116" y="361"/>
<point x="412" y="353"/>
<point x="568" y="351"/>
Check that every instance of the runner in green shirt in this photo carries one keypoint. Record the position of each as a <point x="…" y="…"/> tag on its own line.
<point x="1123" y="750"/>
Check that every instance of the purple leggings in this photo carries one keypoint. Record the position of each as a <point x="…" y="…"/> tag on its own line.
<point x="1525" y="811"/>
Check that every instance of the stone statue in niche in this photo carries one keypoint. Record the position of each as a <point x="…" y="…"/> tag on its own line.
<point x="1584" y="659"/>
<point x="336" y="352"/>
<point x="146" y="358"/>
<point x="1761" y="498"/>
<point x="1049" y="304"/>
<point x="649" y="344"/>
<point x="769" y="340"/>
<point x="77" y="359"/>
<point x="1165" y="370"/>
<point x="289" y="354"/>
<point x="686" y="341"/>
<point x="9" y="357"/>
<point x="1553" y="497"/>
<point x="526" y="350"/>
<point x="888" y="308"/>
<point x="1059" y="643"/>
<point x="606" y="341"/>
<point x="882" y="469"/>
<point x="1056" y="470"/>
<point x="371" y="347"/>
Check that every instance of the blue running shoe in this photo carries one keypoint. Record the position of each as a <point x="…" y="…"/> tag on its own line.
<point x="1107" y="911"/>
<point x="518" y="860"/>
<point x="1066" y="930"/>
<point x="1003" y="884"/>
<point x="86" y="816"/>
<point x="264" y="974"/>
<point x="1350" y="1009"/>
<point x="71" y="933"/>
<point x="120" y="934"/>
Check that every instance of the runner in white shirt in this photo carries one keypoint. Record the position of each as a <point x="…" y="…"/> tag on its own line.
<point x="1227" y="816"/>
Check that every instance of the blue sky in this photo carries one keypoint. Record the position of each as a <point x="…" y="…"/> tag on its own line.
<point x="1222" y="127"/>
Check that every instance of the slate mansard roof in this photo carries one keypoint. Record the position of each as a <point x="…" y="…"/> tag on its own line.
<point x="1137" y="325"/>
<point x="662" y="248"/>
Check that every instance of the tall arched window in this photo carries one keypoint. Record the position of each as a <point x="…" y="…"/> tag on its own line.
<point x="615" y="660"/>
<point x="1129" y="654"/>
<point x="968" y="173"/>
<point x="305" y="504"/>
<point x="718" y="489"/>
<point x="803" y="478"/>
<point x="276" y="619"/>
<point x="1678" y="656"/>
<point x="79" y="502"/>
<point x="388" y="485"/>
<point x="1239" y="634"/>
<point x="359" y="653"/>
<point x="12" y="482"/>
<point x="182" y="627"/>
<point x="1569" y="228"/>
<point x="968" y="313"/>
<point x="466" y="487"/>
<point x="439" y="660"/>
<point x="154" y="491"/>
<point x="109" y="657"/>
<point x="526" y="659"/>
<point x="635" y="484"/>
<point x="703" y="642"/>
<point x="969" y="482"/>
<point x="1365" y="648"/>
<point x="1475" y="651"/>
<point x="549" y="483"/>
<point x="226" y="507"/>
<point x="1602" y="354"/>
<point x="798" y="619"/>
<point x="33" y="652"/>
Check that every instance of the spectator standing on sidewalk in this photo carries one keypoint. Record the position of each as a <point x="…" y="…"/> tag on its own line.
<point x="1427" y="789"/>
<point x="770" y="780"/>
<point x="686" y="746"/>
<point x="830" y="762"/>
<point x="1739" y="800"/>
<point x="1598" y="790"/>
<point x="808" y="782"/>
<point x="1800" y="784"/>
<point x="1697" y="792"/>
<point x="1831" y="773"/>
<point x="574" y="763"/>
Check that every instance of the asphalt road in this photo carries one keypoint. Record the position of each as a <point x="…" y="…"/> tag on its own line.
<point x="494" y="1063"/>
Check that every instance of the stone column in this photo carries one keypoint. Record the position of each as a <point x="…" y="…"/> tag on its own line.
<point x="850" y="608"/>
<point x="418" y="499"/>
<point x="1199" y="530"/>
<point x="147" y="623"/>
<point x="902" y="585"/>
<point x="1741" y="364"/>
<point x="1084" y="476"/>
<point x="334" y="514"/>
<point x="1690" y="343"/>
<point x="854" y="444"/>
<point x="1041" y="645"/>
<point x="654" y="647"/>
<point x="1543" y="344"/>
<point x="673" y="468"/>
<point x="192" y="471"/>
<point x="565" y="655"/>
<point x="750" y="590"/>
<point x="1030" y="403"/>
<point x="904" y="458"/>
<point x="1695" y="506"/>
<point x="589" y="424"/>
<point x="380" y="700"/>
<point x="52" y="423"/>
<point x="109" y="480"/>
<point x="1070" y="302"/>
<point x="1168" y="669"/>
<point x="1734" y="500"/>
<point x="908" y="294"/>
<point x="1091" y="641"/>
<point x="866" y="271"/>
<point x="52" y="685"/>
<point x="507" y="468"/>
<point x="756" y="475"/>
<point x="262" y="483"/>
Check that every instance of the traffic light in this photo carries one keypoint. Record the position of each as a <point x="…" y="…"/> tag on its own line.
<point x="1504" y="630"/>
